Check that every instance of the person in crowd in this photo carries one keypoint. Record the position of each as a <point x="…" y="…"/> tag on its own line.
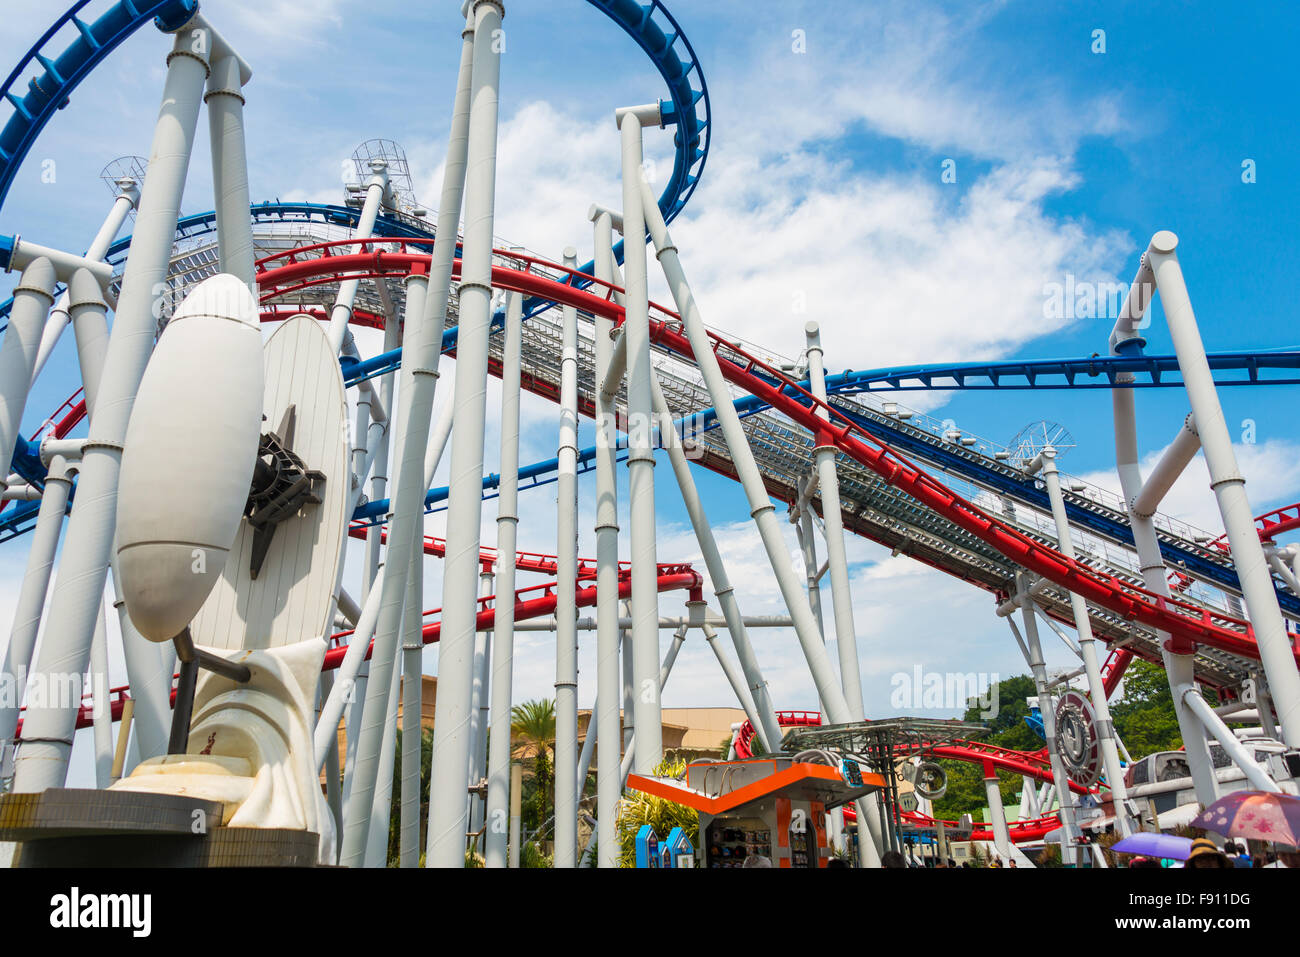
<point x="891" y="859"/>
<point x="1237" y="854"/>
<point x="1205" y="854"/>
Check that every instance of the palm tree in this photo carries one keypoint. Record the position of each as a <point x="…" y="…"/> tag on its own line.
<point x="532" y="731"/>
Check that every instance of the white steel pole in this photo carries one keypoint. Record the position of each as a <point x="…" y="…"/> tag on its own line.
<point x="1039" y="669"/>
<point x="997" y="813"/>
<point x="377" y="712"/>
<point x="665" y="669"/>
<point x="225" y="100"/>
<point x="629" y="685"/>
<point x="803" y="527"/>
<point x="1241" y="756"/>
<point x="148" y="673"/>
<point x="101" y="705"/>
<point x="333" y="769"/>
<point x="33" y="297"/>
<point x="465" y="501"/>
<point x="54" y="326"/>
<point x="32" y="593"/>
<point x="43" y="762"/>
<point x="609" y="688"/>
<point x="767" y="726"/>
<point x="735" y="678"/>
<point x="828" y="485"/>
<point x="1178" y="658"/>
<point x="500" y="796"/>
<point x="412" y="695"/>
<point x="1275" y="651"/>
<point x="1088" y="651"/>
<point x="566" y="607"/>
<point x="378" y="439"/>
<point x="761" y="508"/>
<point x="378" y="815"/>
<point x="641" y="460"/>
<point x="341" y="314"/>
<point x="479" y="704"/>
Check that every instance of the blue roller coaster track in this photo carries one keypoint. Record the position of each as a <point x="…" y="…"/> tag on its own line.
<point x="687" y="109"/>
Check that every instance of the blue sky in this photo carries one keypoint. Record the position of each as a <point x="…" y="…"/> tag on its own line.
<point x="824" y="181"/>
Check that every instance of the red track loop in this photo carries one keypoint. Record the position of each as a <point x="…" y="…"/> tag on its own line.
<point x="1181" y="619"/>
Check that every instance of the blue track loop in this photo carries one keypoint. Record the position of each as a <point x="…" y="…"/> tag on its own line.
<point x="49" y="91"/>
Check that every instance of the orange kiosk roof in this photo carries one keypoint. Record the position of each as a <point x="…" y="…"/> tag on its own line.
<point x="798" y="781"/>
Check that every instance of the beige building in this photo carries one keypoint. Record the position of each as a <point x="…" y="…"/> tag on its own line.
<point x="688" y="732"/>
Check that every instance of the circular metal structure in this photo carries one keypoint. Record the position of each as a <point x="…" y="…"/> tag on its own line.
<point x="1033" y="438"/>
<point x="1077" y="738"/>
<point x="931" y="780"/>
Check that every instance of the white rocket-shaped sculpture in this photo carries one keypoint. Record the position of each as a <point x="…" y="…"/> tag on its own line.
<point x="191" y="447"/>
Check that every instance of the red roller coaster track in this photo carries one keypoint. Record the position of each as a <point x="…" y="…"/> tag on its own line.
<point x="1031" y="764"/>
<point x="1181" y="619"/>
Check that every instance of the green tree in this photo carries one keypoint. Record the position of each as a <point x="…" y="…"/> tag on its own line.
<point x="638" y="808"/>
<point x="1144" y="717"/>
<point x="1007" y="728"/>
<point x="532" y="730"/>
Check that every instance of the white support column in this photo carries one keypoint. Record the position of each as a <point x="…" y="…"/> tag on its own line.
<point x="807" y="537"/>
<point x="765" y="722"/>
<point x="60" y="315"/>
<point x="333" y="768"/>
<point x="761" y="509"/>
<point x="734" y="678"/>
<point x="379" y="711"/>
<point x="997" y="813"/>
<point x="33" y="297"/>
<point x="1255" y="773"/>
<point x="1275" y="652"/>
<point x="479" y="706"/>
<point x="412" y="694"/>
<point x="148" y="667"/>
<point x="1171" y="465"/>
<point x="1088" y="652"/>
<point x="1039" y="669"/>
<point x="665" y="669"/>
<point x="641" y="460"/>
<point x="32" y="594"/>
<point x="566" y="608"/>
<point x="609" y="690"/>
<point x="341" y="314"/>
<point x="629" y="686"/>
<point x="1178" y="660"/>
<point x="225" y="100"/>
<point x="79" y="589"/>
<point x="378" y="814"/>
<point x="828" y="485"/>
<point x="465" y="501"/>
<point x="101" y="707"/>
<point x="500" y="792"/>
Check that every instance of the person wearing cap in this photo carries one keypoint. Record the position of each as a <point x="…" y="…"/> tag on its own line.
<point x="1205" y="854"/>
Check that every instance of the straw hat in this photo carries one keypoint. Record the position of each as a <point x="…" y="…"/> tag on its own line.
<point x="1202" y="845"/>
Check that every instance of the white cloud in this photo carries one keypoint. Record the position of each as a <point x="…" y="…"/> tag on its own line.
<point x="1271" y="468"/>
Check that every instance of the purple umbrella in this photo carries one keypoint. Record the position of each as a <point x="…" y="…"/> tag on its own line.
<point x="1155" y="845"/>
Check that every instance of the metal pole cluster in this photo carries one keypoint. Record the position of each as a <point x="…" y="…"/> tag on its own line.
<point x="474" y="795"/>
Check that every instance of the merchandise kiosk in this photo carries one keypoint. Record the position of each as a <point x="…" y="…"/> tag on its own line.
<point x="763" y="812"/>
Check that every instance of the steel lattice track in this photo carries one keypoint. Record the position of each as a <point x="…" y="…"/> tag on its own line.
<point x="783" y="450"/>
